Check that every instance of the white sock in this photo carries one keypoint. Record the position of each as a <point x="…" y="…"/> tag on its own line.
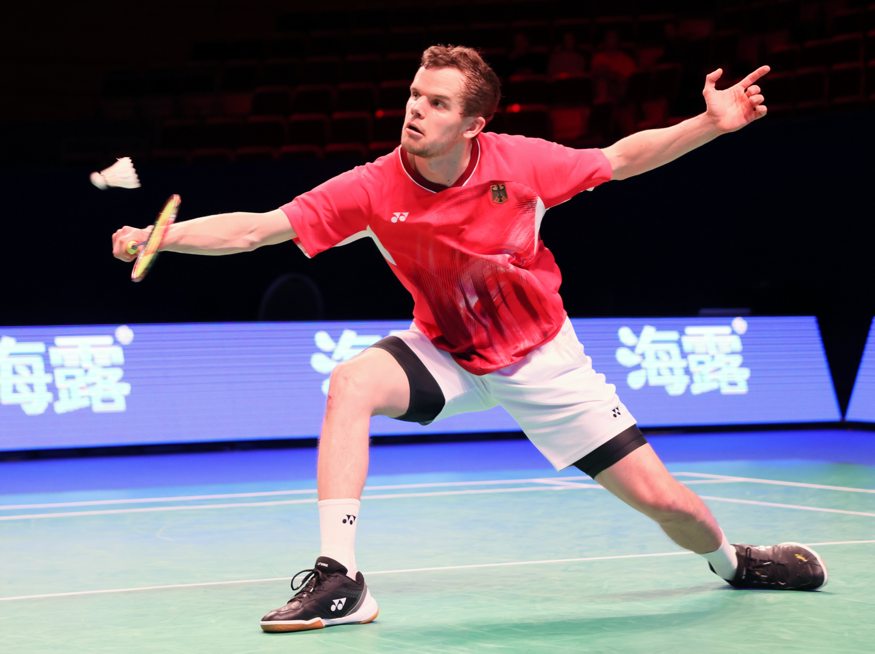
<point x="723" y="559"/>
<point x="337" y="525"/>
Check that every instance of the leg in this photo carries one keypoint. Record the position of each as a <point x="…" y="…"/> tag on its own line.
<point x="391" y="379"/>
<point x="641" y="480"/>
<point x="574" y="417"/>
<point x="372" y="383"/>
<point x="334" y="592"/>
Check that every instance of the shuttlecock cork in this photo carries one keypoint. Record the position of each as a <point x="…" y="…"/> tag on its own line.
<point x="120" y="175"/>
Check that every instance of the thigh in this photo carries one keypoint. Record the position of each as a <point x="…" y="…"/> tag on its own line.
<point x="439" y="387"/>
<point x="566" y="408"/>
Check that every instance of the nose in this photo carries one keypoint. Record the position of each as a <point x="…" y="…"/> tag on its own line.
<point x="415" y="107"/>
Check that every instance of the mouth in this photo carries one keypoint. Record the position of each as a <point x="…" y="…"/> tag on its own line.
<point x="410" y="127"/>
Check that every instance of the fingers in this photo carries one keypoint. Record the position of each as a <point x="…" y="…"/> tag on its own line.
<point x="121" y="238"/>
<point x="754" y="76"/>
<point x="711" y="79"/>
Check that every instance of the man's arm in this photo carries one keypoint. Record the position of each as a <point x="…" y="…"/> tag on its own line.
<point x="224" y="233"/>
<point x="726" y="111"/>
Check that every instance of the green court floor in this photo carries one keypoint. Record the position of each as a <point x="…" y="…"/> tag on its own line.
<point x="508" y="558"/>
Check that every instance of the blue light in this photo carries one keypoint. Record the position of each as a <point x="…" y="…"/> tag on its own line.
<point x="861" y="407"/>
<point x="99" y="385"/>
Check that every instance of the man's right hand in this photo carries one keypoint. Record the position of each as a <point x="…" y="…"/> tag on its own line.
<point x="122" y="237"/>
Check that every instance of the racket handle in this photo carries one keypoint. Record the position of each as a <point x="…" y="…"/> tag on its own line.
<point x="132" y="247"/>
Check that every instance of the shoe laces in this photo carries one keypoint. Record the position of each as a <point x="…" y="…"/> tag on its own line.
<point x="763" y="567"/>
<point x="312" y="578"/>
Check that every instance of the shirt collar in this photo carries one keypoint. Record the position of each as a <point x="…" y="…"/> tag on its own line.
<point x="434" y="187"/>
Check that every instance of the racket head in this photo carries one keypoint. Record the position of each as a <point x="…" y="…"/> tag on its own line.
<point x="148" y="252"/>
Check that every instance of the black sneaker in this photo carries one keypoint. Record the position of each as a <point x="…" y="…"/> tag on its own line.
<point x="786" y="566"/>
<point x="326" y="596"/>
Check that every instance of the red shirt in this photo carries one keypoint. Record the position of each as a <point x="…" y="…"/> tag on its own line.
<point x="485" y="288"/>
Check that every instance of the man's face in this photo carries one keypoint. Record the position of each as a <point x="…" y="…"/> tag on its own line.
<point x="433" y="123"/>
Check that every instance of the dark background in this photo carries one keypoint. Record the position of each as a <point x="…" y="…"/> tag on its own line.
<point x="769" y="220"/>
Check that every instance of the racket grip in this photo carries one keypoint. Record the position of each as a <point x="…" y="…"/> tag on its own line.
<point x="132" y="247"/>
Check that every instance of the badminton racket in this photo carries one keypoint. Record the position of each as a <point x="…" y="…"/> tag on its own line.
<point x="147" y="251"/>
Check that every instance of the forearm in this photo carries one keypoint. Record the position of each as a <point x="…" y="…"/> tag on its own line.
<point x="649" y="149"/>
<point x="227" y="233"/>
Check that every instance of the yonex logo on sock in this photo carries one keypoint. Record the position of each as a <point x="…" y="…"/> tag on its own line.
<point x="349" y="519"/>
<point x="337" y="605"/>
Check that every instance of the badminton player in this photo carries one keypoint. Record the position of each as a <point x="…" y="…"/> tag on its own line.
<point x="455" y="212"/>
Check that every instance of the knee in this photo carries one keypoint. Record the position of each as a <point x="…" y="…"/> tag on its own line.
<point x="350" y="387"/>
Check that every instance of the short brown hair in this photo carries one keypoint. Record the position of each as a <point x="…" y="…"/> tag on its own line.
<point x="482" y="88"/>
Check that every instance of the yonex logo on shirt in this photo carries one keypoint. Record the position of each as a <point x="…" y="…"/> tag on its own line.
<point x="400" y="216"/>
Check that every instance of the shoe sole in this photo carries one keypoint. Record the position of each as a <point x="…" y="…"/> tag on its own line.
<point x="819" y="561"/>
<point x="366" y="613"/>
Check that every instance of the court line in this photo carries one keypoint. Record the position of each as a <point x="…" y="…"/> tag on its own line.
<point x="304" y="491"/>
<point x="775" y="482"/>
<point x="445" y="568"/>
<point x="483" y="491"/>
<point x="245" y="505"/>
<point x="573" y="482"/>
<point x="780" y="505"/>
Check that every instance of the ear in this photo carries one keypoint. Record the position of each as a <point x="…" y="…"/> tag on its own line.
<point x="474" y="127"/>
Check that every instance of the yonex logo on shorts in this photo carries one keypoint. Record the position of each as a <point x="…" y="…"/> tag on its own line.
<point x="337" y="605"/>
<point x="400" y="216"/>
<point x="616" y="411"/>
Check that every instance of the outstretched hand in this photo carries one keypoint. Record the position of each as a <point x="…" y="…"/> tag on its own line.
<point x="740" y="104"/>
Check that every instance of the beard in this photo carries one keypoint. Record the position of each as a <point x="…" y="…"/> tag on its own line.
<point x="417" y="149"/>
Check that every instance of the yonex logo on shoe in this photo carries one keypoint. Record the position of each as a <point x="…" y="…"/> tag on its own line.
<point x="616" y="411"/>
<point x="349" y="519"/>
<point x="337" y="605"/>
<point x="399" y="216"/>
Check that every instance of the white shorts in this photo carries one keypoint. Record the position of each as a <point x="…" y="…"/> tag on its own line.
<point x="563" y="406"/>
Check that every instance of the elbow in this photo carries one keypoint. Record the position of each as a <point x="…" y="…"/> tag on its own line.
<point x="250" y="241"/>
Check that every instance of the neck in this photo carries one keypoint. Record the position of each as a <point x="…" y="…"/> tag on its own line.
<point x="446" y="168"/>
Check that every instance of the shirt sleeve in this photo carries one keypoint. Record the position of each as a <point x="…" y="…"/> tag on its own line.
<point x="558" y="173"/>
<point x="333" y="213"/>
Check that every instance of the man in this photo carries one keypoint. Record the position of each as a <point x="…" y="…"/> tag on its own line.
<point x="455" y="212"/>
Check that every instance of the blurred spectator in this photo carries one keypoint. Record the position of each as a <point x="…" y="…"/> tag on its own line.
<point x="522" y="59"/>
<point x="612" y="67"/>
<point x="566" y="59"/>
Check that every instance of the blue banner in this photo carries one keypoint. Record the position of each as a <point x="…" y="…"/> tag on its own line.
<point x="861" y="407"/>
<point x="101" y="385"/>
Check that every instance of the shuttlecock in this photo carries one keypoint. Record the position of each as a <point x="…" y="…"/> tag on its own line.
<point x="121" y="175"/>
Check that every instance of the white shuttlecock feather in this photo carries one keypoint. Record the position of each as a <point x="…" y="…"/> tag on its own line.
<point x="120" y="175"/>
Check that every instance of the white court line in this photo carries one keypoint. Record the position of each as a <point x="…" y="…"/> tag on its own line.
<point x="703" y="479"/>
<point x="445" y="568"/>
<point x="553" y="486"/>
<point x="304" y="491"/>
<point x="779" y="505"/>
<point x="774" y="482"/>
<point x="550" y="481"/>
<point x="246" y="505"/>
